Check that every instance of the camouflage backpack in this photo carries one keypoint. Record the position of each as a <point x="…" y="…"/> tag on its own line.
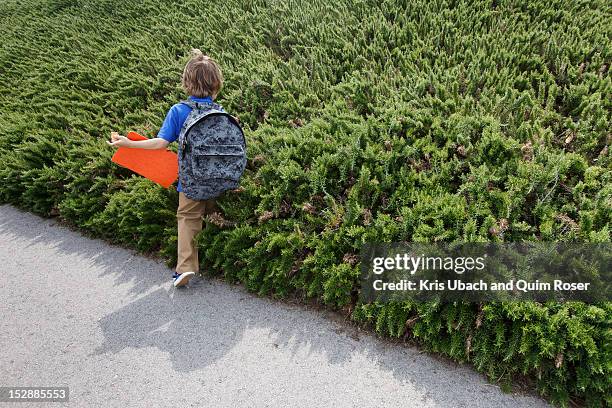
<point x="211" y="151"/>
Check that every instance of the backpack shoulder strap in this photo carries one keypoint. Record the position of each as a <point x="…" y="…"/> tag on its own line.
<point x="202" y="105"/>
<point x="191" y="104"/>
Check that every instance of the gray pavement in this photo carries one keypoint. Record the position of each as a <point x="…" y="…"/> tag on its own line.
<point x="107" y="322"/>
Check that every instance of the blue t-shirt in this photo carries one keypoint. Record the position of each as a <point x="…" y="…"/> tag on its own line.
<point x="173" y="123"/>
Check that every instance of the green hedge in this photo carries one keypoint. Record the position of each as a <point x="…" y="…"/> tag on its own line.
<point x="366" y="121"/>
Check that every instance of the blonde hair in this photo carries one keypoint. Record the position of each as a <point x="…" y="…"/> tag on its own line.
<point x="202" y="76"/>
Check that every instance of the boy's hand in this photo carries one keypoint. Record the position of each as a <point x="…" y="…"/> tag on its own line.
<point x="118" y="140"/>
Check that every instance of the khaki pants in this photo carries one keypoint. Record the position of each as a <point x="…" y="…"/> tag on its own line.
<point x="189" y="217"/>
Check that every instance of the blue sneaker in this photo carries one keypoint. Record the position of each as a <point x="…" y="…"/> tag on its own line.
<point x="181" y="279"/>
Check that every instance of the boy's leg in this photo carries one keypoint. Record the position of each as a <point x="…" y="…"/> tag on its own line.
<point x="189" y="217"/>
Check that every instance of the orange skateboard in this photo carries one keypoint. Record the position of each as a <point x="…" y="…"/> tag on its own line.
<point x="158" y="165"/>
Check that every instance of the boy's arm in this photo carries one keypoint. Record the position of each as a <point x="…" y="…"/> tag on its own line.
<point x="167" y="134"/>
<point x="154" y="143"/>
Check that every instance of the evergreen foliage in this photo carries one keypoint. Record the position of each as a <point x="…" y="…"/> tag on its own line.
<point x="367" y="121"/>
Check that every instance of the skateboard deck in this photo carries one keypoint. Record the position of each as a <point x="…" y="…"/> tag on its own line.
<point x="158" y="165"/>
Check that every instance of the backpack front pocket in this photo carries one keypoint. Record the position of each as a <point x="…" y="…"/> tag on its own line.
<point x="218" y="162"/>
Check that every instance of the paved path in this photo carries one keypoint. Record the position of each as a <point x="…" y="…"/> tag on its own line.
<point x="107" y="323"/>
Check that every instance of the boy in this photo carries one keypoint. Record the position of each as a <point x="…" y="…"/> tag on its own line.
<point x="202" y="80"/>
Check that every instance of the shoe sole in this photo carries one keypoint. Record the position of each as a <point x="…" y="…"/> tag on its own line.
<point x="183" y="279"/>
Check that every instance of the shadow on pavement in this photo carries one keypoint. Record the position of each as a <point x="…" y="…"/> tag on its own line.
<point x="200" y="324"/>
